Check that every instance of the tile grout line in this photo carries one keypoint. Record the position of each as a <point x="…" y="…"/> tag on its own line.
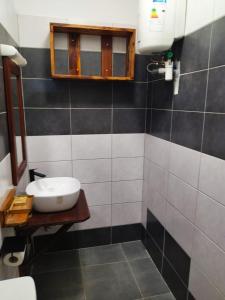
<point x="71" y="133"/>
<point x="85" y="108"/>
<point x="202" y="139"/>
<point x="82" y="275"/>
<point x="111" y="147"/>
<point x="132" y="273"/>
<point x="85" y="159"/>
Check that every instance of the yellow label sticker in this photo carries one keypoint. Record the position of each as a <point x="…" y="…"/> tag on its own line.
<point x="154" y="14"/>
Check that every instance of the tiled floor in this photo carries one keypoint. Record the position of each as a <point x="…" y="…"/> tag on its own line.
<point x="113" y="272"/>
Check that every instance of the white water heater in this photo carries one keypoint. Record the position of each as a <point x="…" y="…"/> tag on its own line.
<point x="160" y="23"/>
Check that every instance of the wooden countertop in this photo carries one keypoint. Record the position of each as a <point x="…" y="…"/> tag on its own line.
<point x="79" y="213"/>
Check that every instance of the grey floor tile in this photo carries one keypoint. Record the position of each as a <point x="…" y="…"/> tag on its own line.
<point x="134" y="250"/>
<point x="167" y="296"/>
<point x="148" y="278"/>
<point x="56" y="261"/>
<point x="101" y="255"/>
<point x="62" y="285"/>
<point x="111" y="282"/>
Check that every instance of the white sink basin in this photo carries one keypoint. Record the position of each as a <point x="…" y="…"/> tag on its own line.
<point x="54" y="194"/>
<point x="22" y="288"/>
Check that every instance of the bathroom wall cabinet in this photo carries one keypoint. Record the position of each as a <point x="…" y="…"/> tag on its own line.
<point x="73" y="34"/>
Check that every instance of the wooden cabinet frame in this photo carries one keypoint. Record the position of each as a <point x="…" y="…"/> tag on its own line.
<point x="74" y="31"/>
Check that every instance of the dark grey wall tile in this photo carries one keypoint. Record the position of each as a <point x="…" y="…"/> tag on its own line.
<point x="2" y="92"/>
<point x="217" y="56"/>
<point x="91" y="121"/>
<point x="4" y="146"/>
<point x="154" y="251"/>
<point x="216" y="91"/>
<point x="187" y="129"/>
<point x="174" y="282"/>
<point x="46" y="93"/>
<point x="155" y="229"/>
<point x="126" y="233"/>
<point x="92" y="237"/>
<point x="90" y="63"/>
<point x="214" y="135"/>
<point x="141" y="62"/>
<point x="128" y="120"/>
<point x="61" y="61"/>
<point x="47" y="121"/>
<point x="177" y="257"/>
<point x="162" y="94"/>
<point x="119" y="64"/>
<point x="148" y="121"/>
<point x="192" y="92"/>
<point x="161" y="123"/>
<point x="91" y="94"/>
<point x="129" y="95"/>
<point x="195" y="50"/>
<point x="38" y="63"/>
<point x="149" y="95"/>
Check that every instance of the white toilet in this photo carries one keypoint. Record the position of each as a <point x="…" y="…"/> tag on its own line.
<point x="22" y="288"/>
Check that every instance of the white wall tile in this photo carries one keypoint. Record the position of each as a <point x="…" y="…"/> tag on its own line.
<point x="35" y="36"/>
<point x="160" y="151"/>
<point x="210" y="218"/>
<point x="21" y="187"/>
<point x="144" y="214"/>
<point x="146" y="183"/>
<point x="126" y="213"/>
<point x="180" y="228"/>
<point x="211" y="180"/>
<point x="90" y="43"/>
<point x="127" y="168"/>
<point x="210" y="258"/>
<point x="53" y="168"/>
<point x="182" y="196"/>
<point x="184" y="163"/>
<point x="92" y="171"/>
<point x="119" y="45"/>
<point x="157" y="205"/>
<point x="91" y="146"/>
<point x="100" y="217"/>
<point x="195" y="19"/>
<point x="219" y="10"/>
<point x="5" y="177"/>
<point x="97" y="193"/>
<point x="200" y="287"/>
<point x="61" y="41"/>
<point x="127" y="191"/>
<point x="158" y="179"/>
<point x="148" y="141"/>
<point x="49" y="148"/>
<point x="127" y="145"/>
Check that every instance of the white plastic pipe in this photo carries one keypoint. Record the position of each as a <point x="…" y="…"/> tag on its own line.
<point x="13" y="53"/>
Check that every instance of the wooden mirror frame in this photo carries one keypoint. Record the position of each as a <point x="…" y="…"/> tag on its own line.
<point x="9" y="69"/>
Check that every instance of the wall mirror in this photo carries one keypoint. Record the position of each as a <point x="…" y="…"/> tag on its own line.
<point x="16" y="121"/>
